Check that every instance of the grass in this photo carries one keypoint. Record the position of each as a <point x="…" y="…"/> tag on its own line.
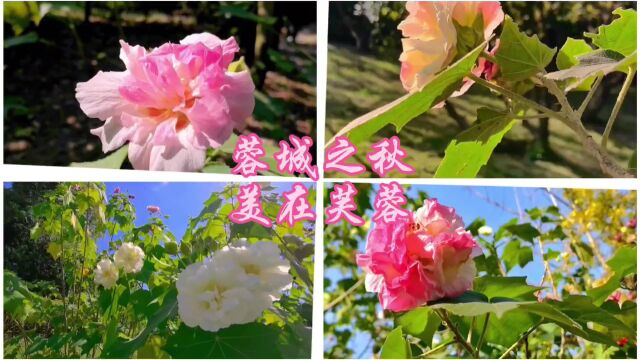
<point x="357" y="84"/>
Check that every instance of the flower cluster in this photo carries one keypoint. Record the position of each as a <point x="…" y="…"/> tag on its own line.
<point x="433" y="36"/>
<point x="413" y="261"/>
<point x="232" y="286"/>
<point x="171" y="103"/>
<point x="129" y="258"/>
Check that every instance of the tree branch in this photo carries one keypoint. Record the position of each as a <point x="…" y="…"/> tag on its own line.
<point x="482" y="334"/>
<point x="517" y="343"/>
<point x="569" y="118"/>
<point x="456" y="332"/>
<point x="343" y="295"/>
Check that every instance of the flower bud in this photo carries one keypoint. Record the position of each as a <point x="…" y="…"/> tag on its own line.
<point x="171" y="248"/>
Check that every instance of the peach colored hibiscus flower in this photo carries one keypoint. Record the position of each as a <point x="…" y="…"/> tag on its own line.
<point x="171" y="103"/>
<point x="430" y="38"/>
<point x="411" y="262"/>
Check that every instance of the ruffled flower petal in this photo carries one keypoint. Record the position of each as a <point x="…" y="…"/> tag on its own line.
<point x="99" y="97"/>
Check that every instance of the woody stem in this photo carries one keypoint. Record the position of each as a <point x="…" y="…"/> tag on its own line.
<point x="456" y="333"/>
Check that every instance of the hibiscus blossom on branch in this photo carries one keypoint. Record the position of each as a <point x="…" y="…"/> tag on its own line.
<point x="436" y="34"/>
<point x="414" y="261"/>
<point x="172" y="103"/>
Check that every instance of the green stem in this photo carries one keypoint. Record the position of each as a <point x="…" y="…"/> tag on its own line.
<point x="482" y="333"/>
<point x="113" y="305"/>
<point x="292" y="258"/>
<point x="529" y="117"/>
<point x="517" y="343"/>
<point x="553" y="88"/>
<point x="344" y="295"/>
<point x="589" y="96"/>
<point x="470" y="333"/>
<point x="456" y="333"/>
<point x="64" y="279"/>
<point x="64" y="282"/>
<point x="84" y="258"/>
<point x="616" y="108"/>
<point x="437" y="348"/>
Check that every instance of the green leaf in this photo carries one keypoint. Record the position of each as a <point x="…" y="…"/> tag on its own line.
<point x="514" y="287"/>
<point x="581" y="309"/>
<point x="402" y="110"/>
<point x="514" y="254"/>
<point x="474" y="304"/>
<point x="520" y="56"/>
<point x="579" y="316"/>
<point x="245" y="341"/>
<point x="20" y="14"/>
<point x="619" y="36"/>
<point x="568" y="57"/>
<point x="395" y="346"/>
<point x="551" y="255"/>
<point x="627" y="313"/>
<point x="415" y="321"/>
<point x="551" y="313"/>
<point x="236" y="67"/>
<point x="583" y="251"/>
<point x="120" y="349"/>
<point x="598" y="62"/>
<point x="111" y="161"/>
<point x="524" y="231"/>
<point x="506" y="331"/>
<point x="570" y="51"/>
<point x="433" y="323"/>
<point x="470" y="150"/>
<point x="28" y="38"/>
<point x="242" y="13"/>
<point x="217" y="168"/>
<point x="621" y="264"/>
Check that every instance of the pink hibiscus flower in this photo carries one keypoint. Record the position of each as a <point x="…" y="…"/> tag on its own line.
<point x="171" y="103"/>
<point x="430" y="38"/>
<point x="152" y="209"/>
<point x="411" y="262"/>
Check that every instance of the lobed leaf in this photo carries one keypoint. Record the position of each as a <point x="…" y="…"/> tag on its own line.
<point x="421" y="323"/>
<point x="470" y="150"/>
<point x="395" y="346"/>
<point x="520" y="56"/>
<point x="246" y="341"/>
<point x="619" y="36"/>
<point x="515" y="254"/>
<point x="473" y="304"/>
<point x="622" y="263"/>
